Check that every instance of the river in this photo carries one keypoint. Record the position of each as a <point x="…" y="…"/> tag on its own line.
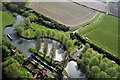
<point x="24" y="44"/>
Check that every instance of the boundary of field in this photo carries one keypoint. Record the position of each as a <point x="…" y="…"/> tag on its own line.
<point x="86" y="22"/>
<point x="97" y="44"/>
<point x="93" y="9"/>
<point x="97" y="48"/>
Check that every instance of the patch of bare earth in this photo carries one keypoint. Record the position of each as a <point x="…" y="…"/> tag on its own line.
<point x="93" y="4"/>
<point x="67" y="13"/>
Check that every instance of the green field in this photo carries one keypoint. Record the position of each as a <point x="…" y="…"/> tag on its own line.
<point x="104" y="33"/>
<point x="7" y="19"/>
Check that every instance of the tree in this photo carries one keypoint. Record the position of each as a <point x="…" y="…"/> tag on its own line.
<point x="87" y="46"/>
<point x="64" y="40"/>
<point x="63" y="63"/>
<point x="26" y="14"/>
<point x="43" y="33"/>
<point x="94" y="61"/>
<point x="48" y="32"/>
<point x="32" y="17"/>
<point x="110" y="64"/>
<point x="102" y="74"/>
<point x="45" y="48"/>
<point x="118" y="68"/>
<point x="38" y="32"/>
<point x="27" y="22"/>
<point x="87" y="55"/>
<point x="100" y="56"/>
<point x="79" y="61"/>
<point x="20" y="30"/>
<point x="95" y="70"/>
<point x="13" y="7"/>
<point x="105" y="60"/>
<point x="86" y="61"/>
<point x="117" y="75"/>
<point x="111" y="71"/>
<point x="38" y="43"/>
<point x="62" y="36"/>
<point x="52" y="34"/>
<point x="53" y="52"/>
<point x="66" y="54"/>
<point x="26" y="33"/>
<point x="5" y="51"/>
<point x="103" y="66"/>
<point x="12" y="69"/>
<point x="69" y="44"/>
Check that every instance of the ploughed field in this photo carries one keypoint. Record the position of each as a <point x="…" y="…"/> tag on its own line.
<point x="67" y="13"/>
<point x="104" y="33"/>
<point x="92" y="4"/>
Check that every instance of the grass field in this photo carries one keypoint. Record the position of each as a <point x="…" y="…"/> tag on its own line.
<point x="7" y="19"/>
<point x="104" y="33"/>
<point x="67" y="13"/>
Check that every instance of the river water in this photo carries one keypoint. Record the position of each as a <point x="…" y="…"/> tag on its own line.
<point x="24" y="44"/>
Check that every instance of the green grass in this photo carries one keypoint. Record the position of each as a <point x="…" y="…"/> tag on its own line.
<point x="104" y="33"/>
<point x="6" y="19"/>
<point x="81" y="25"/>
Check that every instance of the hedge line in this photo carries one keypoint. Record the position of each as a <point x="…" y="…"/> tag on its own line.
<point x="46" y="21"/>
<point x="96" y="48"/>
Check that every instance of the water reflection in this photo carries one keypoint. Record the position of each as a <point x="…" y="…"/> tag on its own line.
<point x="73" y="70"/>
<point x="24" y="45"/>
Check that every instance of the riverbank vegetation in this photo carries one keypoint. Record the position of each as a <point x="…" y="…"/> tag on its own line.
<point x="34" y="30"/>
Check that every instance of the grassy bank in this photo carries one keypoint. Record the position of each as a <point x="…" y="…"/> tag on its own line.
<point x="6" y="19"/>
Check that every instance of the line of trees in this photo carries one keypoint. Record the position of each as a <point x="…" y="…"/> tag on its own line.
<point x="36" y="17"/>
<point x="98" y="49"/>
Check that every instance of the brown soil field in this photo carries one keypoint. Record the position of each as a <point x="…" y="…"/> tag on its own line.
<point x="93" y="4"/>
<point x="67" y="13"/>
